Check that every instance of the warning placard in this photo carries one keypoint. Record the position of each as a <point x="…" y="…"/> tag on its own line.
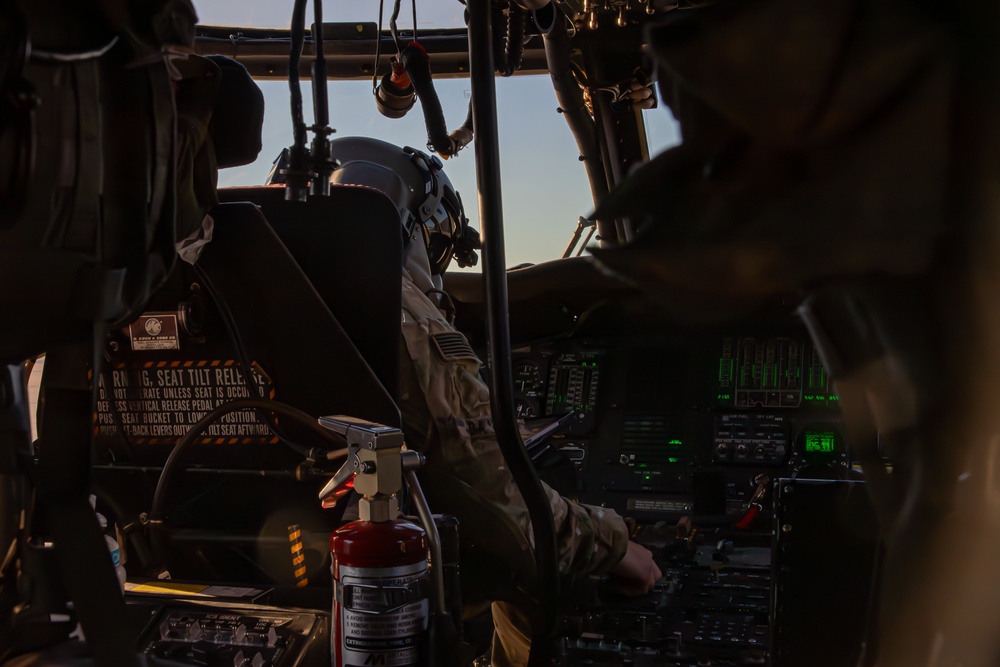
<point x="158" y="402"/>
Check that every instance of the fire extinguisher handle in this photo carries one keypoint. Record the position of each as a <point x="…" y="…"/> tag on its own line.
<point x="360" y="434"/>
<point x="340" y="485"/>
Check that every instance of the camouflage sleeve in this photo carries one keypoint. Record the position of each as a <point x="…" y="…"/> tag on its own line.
<point x="446" y="414"/>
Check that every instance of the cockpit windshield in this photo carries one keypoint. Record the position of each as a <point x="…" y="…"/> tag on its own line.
<point x="545" y="187"/>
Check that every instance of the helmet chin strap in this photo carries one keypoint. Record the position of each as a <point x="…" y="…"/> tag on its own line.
<point x="418" y="265"/>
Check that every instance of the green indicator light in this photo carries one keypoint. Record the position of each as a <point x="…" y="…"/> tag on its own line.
<point x="723" y="397"/>
<point x="673" y="459"/>
<point x="674" y="442"/>
<point x="647" y="476"/>
<point x="821" y="442"/>
<point x="643" y="465"/>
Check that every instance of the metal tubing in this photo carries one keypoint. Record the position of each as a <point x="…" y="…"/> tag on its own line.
<point x="484" y="111"/>
<point x="612" y="159"/>
<point x="426" y="518"/>
<point x="558" y="47"/>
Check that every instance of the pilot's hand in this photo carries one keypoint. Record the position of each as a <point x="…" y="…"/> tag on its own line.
<point x="636" y="572"/>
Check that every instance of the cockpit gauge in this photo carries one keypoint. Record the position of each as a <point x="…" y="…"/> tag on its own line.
<point x="528" y="379"/>
<point x="820" y="453"/>
<point x="525" y="408"/>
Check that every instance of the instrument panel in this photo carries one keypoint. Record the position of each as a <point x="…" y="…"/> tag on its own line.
<point x="674" y="425"/>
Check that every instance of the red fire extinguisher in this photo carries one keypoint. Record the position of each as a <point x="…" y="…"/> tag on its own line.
<point x="381" y="610"/>
<point x="381" y="595"/>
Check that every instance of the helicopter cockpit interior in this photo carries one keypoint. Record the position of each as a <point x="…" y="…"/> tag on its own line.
<point x="766" y="345"/>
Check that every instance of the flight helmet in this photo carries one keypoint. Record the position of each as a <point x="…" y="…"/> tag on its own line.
<point x="428" y="203"/>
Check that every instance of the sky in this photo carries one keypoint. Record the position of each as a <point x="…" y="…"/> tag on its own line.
<point x="544" y="186"/>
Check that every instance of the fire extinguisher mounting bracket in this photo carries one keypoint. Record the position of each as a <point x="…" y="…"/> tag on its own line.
<point x="374" y="463"/>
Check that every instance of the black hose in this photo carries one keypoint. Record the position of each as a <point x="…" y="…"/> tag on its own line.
<point x="297" y="173"/>
<point x="321" y="106"/>
<point x="517" y="23"/>
<point x="156" y="515"/>
<point x="294" y="58"/>
<point x="498" y="38"/>
<point x="418" y="68"/>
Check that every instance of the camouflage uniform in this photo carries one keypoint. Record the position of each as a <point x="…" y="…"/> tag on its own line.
<point x="446" y="415"/>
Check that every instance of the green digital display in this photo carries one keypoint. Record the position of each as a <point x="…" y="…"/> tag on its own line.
<point x="820" y="442"/>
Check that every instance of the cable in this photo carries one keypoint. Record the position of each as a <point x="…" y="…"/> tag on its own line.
<point x="378" y="48"/>
<point x="321" y="107"/>
<point x="253" y="390"/>
<point x="157" y="517"/>
<point x="294" y="58"/>
<point x="414" y="21"/>
<point x="392" y="25"/>
<point x="297" y="173"/>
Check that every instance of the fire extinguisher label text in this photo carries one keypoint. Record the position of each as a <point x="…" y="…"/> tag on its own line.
<point x="383" y="620"/>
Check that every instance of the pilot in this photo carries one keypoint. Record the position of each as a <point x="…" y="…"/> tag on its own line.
<point x="446" y="406"/>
